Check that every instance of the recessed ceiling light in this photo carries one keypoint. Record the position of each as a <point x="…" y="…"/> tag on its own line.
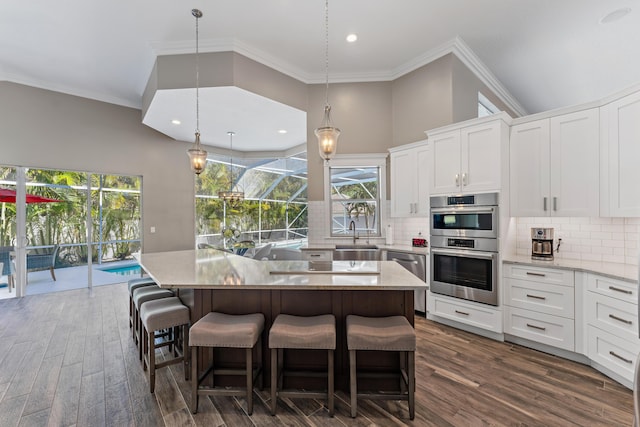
<point x="175" y="122"/>
<point x="616" y="15"/>
<point x="352" y="37"/>
<point x="283" y="131"/>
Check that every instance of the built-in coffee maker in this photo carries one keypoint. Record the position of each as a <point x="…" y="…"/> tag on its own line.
<point x="542" y="244"/>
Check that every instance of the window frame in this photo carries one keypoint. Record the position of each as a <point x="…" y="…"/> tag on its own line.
<point x="370" y="160"/>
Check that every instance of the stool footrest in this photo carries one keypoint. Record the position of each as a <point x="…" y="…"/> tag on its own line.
<point x="302" y="394"/>
<point x="382" y="396"/>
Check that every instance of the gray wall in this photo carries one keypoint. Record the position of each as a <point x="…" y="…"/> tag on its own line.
<point x="362" y="112"/>
<point x="50" y="130"/>
<point x="421" y="101"/>
<point x="465" y="93"/>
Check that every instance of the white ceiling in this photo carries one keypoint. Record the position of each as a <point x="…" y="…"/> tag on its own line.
<point x="547" y="53"/>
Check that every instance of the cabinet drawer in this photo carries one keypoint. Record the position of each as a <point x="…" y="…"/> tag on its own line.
<point x="541" y="297"/>
<point x="612" y="315"/>
<point x="537" y="274"/>
<point x="543" y="328"/>
<point x="625" y="291"/>
<point x="612" y="352"/>
<point x="317" y="255"/>
<point x="480" y="317"/>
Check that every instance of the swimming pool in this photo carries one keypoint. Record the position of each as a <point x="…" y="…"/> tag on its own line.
<point x="125" y="270"/>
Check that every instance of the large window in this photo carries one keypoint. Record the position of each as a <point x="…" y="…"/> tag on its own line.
<point x="274" y="209"/>
<point x="354" y="187"/>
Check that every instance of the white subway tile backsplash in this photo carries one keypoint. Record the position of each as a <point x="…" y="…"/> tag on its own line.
<point x="599" y="239"/>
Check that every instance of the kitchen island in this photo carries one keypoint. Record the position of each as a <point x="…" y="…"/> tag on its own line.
<point x="211" y="280"/>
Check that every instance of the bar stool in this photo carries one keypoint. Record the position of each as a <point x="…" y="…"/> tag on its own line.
<point x="140" y="297"/>
<point x="160" y="314"/>
<point x="219" y="330"/>
<point x="296" y="332"/>
<point x="393" y="333"/>
<point x="133" y="285"/>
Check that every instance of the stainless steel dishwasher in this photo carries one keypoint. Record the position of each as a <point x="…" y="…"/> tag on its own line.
<point x="417" y="264"/>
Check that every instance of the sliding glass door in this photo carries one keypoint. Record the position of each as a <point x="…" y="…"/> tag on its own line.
<point x="67" y="230"/>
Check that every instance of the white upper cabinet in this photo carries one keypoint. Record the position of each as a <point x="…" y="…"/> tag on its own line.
<point x="620" y="159"/>
<point x="554" y="166"/>
<point x="470" y="158"/>
<point x="409" y="181"/>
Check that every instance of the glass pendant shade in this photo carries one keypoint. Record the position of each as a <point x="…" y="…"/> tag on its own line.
<point x="327" y="136"/>
<point x="197" y="156"/>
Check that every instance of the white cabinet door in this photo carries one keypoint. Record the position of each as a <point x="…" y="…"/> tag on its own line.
<point x="445" y="163"/>
<point x="410" y="182"/>
<point x="554" y="166"/>
<point x="575" y="168"/>
<point x="529" y="169"/>
<point x="623" y="147"/>
<point x="403" y="177"/>
<point x="481" y="161"/>
<point x="423" y="157"/>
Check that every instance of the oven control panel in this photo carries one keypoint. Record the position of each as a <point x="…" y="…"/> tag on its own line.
<point x="461" y="243"/>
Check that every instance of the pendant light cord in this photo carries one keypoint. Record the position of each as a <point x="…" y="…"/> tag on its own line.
<point x="326" y="50"/>
<point x="197" y="15"/>
<point x="231" y="160"/>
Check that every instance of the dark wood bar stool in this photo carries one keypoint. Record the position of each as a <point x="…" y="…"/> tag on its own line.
<point x="219" y="330"/>
<point x="393" y="333"/>
<point x="297" y="332"/>
<point x="133" y="285"/>
<point x="161" y="314"/>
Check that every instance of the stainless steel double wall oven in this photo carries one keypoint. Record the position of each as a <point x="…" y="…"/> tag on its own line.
<point x="464" y="247"/>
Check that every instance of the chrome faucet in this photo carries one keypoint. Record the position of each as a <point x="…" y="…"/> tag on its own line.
<point x="352" y="226"/>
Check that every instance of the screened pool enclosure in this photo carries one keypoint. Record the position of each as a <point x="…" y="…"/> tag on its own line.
<point x="274" y="209"/>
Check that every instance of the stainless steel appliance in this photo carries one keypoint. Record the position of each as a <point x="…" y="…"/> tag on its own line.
<point x="542" y="244"/>
<point x="417" y="264"/>
<point x="465" y="216"/>
<point x="464" y="247"/>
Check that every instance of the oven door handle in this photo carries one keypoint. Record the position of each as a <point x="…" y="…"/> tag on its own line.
<point x="468" y="254"/>
<point x="465" y="210"/>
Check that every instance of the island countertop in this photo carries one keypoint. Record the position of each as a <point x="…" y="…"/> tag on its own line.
<point x="214" y="269"/>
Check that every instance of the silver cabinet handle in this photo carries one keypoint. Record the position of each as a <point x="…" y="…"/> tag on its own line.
<point x="625" y="360"/>
<point x="619" y="319"/>
<point x="464" y="179"/>
<point x="315" y="255"/>
<point x="529" y="273"/>
<point x="536" y="297"/>
<point x="540" y="328"/>
<point x="404" y="260"/>
<point x="555" y="204"/>
<point x="410" y="207"/>
<point x="462" y="312"/>
<point x="457" y="180"/>
<point x="544" y="203"/>
<point x="624" y="291"/>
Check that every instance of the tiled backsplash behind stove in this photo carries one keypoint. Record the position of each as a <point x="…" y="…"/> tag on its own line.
<point x="589" y="239"/>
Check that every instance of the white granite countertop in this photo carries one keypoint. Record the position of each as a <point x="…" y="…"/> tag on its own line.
<point x="628" y="272"/>
<point x="213" y="269"/>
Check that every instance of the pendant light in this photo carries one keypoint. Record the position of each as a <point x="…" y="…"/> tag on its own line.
<point x="197" y="156"/>
<point x="231" y="196"/>
<point x="327" y="134"/>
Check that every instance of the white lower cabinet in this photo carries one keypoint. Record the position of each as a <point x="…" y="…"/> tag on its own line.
<point x="612" y="316"/>
<point x="477" y="315"/>
<point x="539" y="305"/>
<point x="547" y="329"/>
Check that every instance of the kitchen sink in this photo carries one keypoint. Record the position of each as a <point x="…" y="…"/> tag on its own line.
<point x="346" y="247"/>
<point x="356" y="253"/>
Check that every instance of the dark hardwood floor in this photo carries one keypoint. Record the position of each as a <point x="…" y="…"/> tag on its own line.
<point x="68" y="359"/>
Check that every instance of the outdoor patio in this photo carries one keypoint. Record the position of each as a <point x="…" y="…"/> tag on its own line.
<point x="40" y="282"/>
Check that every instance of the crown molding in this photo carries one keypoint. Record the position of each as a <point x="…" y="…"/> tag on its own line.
<point x="471" y="60"/>
<point x="54" y="87"/>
